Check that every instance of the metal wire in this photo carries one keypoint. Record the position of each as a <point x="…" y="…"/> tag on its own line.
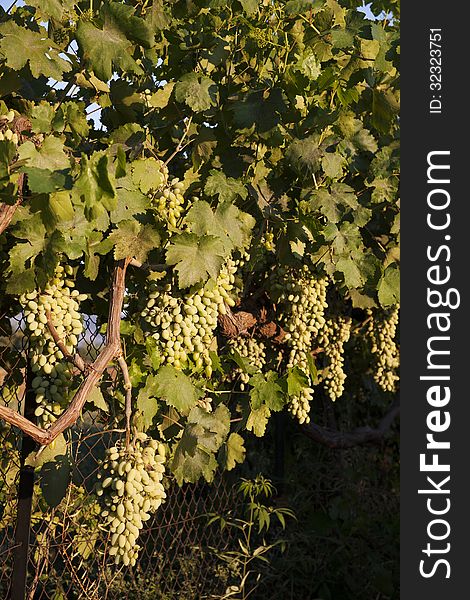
<point x="69" y="551"/>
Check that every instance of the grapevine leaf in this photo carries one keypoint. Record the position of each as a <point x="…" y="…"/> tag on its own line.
<point x="47" y="455"/>
<point x="351" y="272"/>
<point x="297" y="381"/>
<point x="389" y="286"/>
<point x="232" y="452"/>
<point x="147" y="174"/>
<point x="203" y="435"/>
<point x="133" y="239"/>
<point x="50" y="156"/>
<point x="258" y="420"/>
<point x="250" y="6"/>
<point x="96" y="398"/>
<point x="228" y="223"/>
<point x="19" y="46"/>
<point x="226" y="188"/>
<point x="266" y="391"/>
<point x="56" y="9"/>
<point x="54" y="480"/>
<point x="333" y="164"/>
<point x="260" y="110"/>
<point x="147" y="404"/>
<point x="94" y="185"/>
<point x="335" y="202"/>
<point x="60" y="205"/>
<point x="197" y="91"/>
<point x="195" y="258"/>
<point x="305" y="155"/>
<point x="175" y="388"/>
<point x="105" y="48"/>
<point x="122" y="16"/>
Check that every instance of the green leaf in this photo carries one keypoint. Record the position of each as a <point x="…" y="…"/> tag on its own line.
<point x="297" y="381"/>
<point x="60" y="206"/>
<point x="351" y="272"/>
<point x="197" y="91"/>
<point x="305" y="155"/>
<point x="19" y="45"/>
<point x="228" y="223"/>
<point x="54" y="480"/>
<point x="203" y="435"/>
<point x="249" y="6"/>
<point x="48" y="454"/>
<point x="266" y="391"/>
<point x="389" y="286"/>
<point x="147" y="175"/>
<point x="335" y="203"/>
<point x="57" y="9"/>
<point x="122" y="16"/>
<point x="226" y="188"/>
<point x="233" y="451"/>
<point x="50" y="156"/>
<point x="175" y="388"/>
<point x="135" y="240"/>
<point x="94" y="185"/>
<point x="106" y="49"/>
<point x="258" y="420"/>
<point x="195" y="258"/>
<point x="96" y="398"/>
<point x="147" y="404"/>
<point x="332" y="164"/>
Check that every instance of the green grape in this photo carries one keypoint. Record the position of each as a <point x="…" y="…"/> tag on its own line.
<point x="251" y="349"/>
<point x="52" y="376"/>
<point x="299" y="406"/>
<point x="381" y="331"/>
<point x="183" y="324"/>
<point x="335" y="334"/>
<point x="302" y="304"/>
<point x="130" y="489"/>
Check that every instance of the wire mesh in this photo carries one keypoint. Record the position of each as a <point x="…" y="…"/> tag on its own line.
<point x="69" y="549"/>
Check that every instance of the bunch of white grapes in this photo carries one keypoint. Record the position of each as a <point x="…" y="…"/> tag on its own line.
<point x="167" y="199"/>
<point x="382" y="329"/>
<point x="335" y="334"/>
<point x="130" y="490"/>
<point x="299" y="406"/>
<point x="7" y="133"/>
<point x="303" y="303"/>
<point x="183" y="324"/>
<point x="253" y="350"/>
<point x="52" y="375"/>
<point x="302" y="298"/>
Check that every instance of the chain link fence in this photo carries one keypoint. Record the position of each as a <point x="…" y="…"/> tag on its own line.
<point x="69" y="549"/>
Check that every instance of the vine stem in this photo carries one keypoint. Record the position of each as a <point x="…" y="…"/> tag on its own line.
<point x="128" y="387"/>
<point x="111" y="351"/>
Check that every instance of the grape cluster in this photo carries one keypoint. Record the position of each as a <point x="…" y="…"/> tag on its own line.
<point x="130" y="489"/>
<point x="335" y="334"/>
<point x="382" y="328"/>
<point x="299" y="406"/>
<point x="167" y="196"/>
<point x="183" y="324"/>
<point x="303" y="302"/>
<point x="302" y="299"/>
<point x="253" y="350"/>
<point x="52" y="377"/>
<point x="5" y="132"/>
